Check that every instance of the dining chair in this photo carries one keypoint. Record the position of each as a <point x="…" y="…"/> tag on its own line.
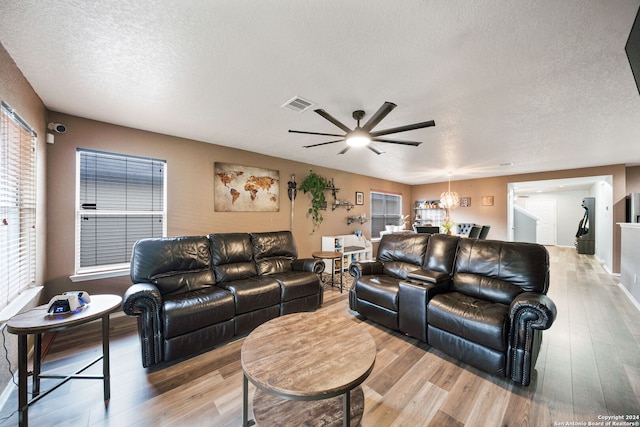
<point x="426" y="229"/>
<point x="475" y="232"/>
<point x="464" y="228"/>
<point x="484" y="232"/>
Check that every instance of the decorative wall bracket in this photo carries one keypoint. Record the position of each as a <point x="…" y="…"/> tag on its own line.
<point x="357" y="218"/>
<point x="338" y="203"/>
<point x="341" y="203"/>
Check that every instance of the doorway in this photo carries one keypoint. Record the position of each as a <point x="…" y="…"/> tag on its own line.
<point x="568" y="194"/>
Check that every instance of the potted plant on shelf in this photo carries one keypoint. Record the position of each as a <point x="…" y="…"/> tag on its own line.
<point x="316" y="185"/>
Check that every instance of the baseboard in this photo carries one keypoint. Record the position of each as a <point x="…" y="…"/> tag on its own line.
<point x="628" y="294"/>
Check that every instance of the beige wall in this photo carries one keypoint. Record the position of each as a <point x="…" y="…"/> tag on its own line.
<point x="496" y="215"/>
<point x="189" y="193"/>
<point x="633" y="179"/>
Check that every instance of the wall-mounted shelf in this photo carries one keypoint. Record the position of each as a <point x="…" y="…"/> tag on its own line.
<point x="357" y="218"/>
<point x="338" y="203"/>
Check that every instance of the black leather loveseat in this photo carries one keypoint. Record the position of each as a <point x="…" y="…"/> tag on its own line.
<point x="191" y="293"/>
<point x="481" y="301"/>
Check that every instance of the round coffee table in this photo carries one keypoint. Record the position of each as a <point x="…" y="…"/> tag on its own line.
<point x="307" y="357"/>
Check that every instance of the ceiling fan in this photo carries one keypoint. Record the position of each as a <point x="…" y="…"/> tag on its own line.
<point x="363" y="136"/>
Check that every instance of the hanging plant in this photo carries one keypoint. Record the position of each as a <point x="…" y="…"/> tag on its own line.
<point x="316" y="185"/>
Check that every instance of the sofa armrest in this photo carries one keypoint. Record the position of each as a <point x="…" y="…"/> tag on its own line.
<point x="529" y="314"/>
<point x="141" y="297"/>
<point x="532" y="310"/>
<point x="312" y="265"/>
<point x="413" y="298"/>
<point x="144" y="301"/>
<point x="429" y="276"/>
<point x="359" y="269"/>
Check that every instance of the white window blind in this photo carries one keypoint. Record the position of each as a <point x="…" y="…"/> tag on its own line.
<point x="17" y="205"/>
<point x="386" y="209"/>
<point x="121" y="199"/>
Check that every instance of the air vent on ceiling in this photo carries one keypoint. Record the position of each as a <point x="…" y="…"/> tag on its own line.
<point x="298" y="104"/>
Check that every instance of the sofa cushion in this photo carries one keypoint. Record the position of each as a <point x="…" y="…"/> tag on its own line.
<point x="297" y="284"/>
<point x="232" y="256"/>
<point x="190" y="311"/>
<point x="499" y="271"/>
<point x="173" y="264"/>
<point x="274" y="251"/>
<point x="178" y="282"/>
<point x="441" y="253"/>
<point x="381" y="290"/>
<point x="404" y="248"/>
<point x="473" y="319"/>
<point x="253" y="293"/>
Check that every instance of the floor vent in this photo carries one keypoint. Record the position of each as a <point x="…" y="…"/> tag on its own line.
<point x="298" y="104"/>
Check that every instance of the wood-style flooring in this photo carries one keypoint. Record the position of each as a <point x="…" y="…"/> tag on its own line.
<point x="589" y="368"/>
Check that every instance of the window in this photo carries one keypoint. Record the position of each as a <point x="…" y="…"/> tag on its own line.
<point x="386" y="209"/>
<point x="120" y="199"/>
<point x="17" y="205"/>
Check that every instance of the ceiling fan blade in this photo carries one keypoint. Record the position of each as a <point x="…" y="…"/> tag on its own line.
<point x="323" y="143"/>
<point x="347" y="148"/>
<point x="375" y="149"/>
<point x="332" y="119"/>
<point x="397" y="141"/>
<point x="403" y="128"/>
<point x="379" y="115"/>
<point x="314" y="133"/>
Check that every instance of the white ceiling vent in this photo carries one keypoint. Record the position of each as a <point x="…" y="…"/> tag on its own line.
<point x="298" y="104"/>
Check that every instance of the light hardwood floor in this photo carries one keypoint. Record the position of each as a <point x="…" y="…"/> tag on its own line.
<point x="589" y="367"/>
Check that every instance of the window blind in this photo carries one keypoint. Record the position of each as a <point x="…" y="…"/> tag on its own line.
<point x="386" y="209"/>
<point x="121" y="199"/>
<point x="17" y="205"/>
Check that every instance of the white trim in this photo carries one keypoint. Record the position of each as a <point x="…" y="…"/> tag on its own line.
<point x="628" y="294"/>
<point x="19" y="303"/>
<point x="99" y="275"/>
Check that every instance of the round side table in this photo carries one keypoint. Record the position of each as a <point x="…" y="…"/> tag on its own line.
<point x="332" y="257"/>
<point x="37" y="322"/>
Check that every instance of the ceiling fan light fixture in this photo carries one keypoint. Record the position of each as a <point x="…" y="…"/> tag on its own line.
<point x="358" y="138"/>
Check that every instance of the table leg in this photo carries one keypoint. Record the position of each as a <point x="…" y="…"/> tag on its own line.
<point x="23" y="404"/>
<point x="105" y="358"/>
<point x="333" y="272"/>
<point x="37" y="364"/>
<point x="245" y="400"/>
<point x="346" y="409"/>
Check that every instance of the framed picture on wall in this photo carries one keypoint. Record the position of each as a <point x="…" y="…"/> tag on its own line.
<point x="487" y="200"/>
<point x="465" y="202"/>
<point x="359" y="198"/>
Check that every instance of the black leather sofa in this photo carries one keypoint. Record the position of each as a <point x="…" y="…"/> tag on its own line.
<point x="481" y="301"/>
<point x="192" y="293"/>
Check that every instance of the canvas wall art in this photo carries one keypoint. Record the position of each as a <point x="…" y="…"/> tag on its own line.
<point x="240" y="188"/>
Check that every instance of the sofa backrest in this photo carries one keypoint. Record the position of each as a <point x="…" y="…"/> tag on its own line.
<point x="232" y="256"/>
<point x="274" y="252"/>
<point x="499" y="271"/>
<point x="441" y="253"/>
<point x="402" y="252"/>
<point x="172" y="264"/>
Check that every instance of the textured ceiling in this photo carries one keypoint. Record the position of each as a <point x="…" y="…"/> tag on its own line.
<point x="544" y="85"/>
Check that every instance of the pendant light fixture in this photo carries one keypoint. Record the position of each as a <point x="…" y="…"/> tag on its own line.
<point x="449" y="199"/>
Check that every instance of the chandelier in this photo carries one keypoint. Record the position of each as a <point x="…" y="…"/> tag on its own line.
<point x="448" y="199"/>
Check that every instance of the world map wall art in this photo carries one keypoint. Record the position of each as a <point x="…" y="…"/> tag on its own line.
<point x="239" y="188"/>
